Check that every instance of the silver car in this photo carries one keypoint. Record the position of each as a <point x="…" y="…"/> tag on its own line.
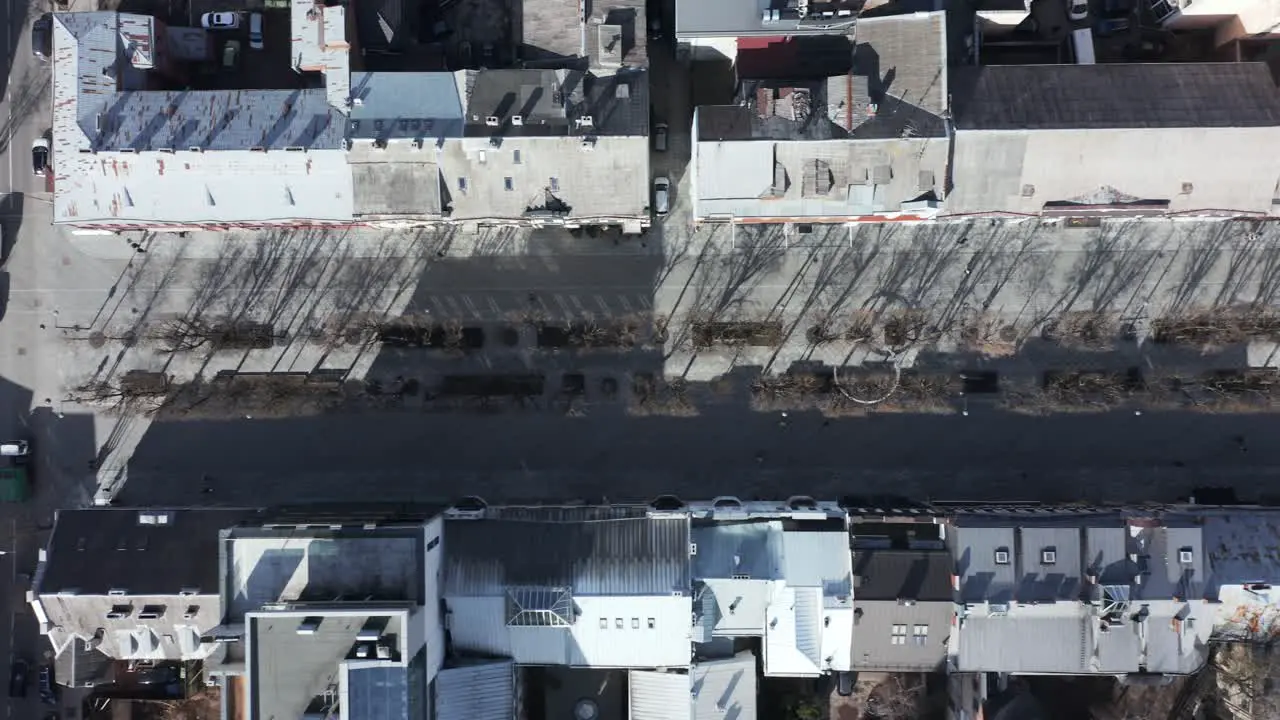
<point x="661" y="195"/>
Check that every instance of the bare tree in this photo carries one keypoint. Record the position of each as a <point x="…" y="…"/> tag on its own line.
<point x="898" y="697"/>
<point x="1247" y="675"/>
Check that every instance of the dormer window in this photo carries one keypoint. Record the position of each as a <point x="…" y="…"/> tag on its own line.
<point x="1186" y="556"/>
<point x="1048" y="556"/>
<point x="1002" y="556"/>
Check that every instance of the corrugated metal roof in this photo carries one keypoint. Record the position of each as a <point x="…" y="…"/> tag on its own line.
<point x="642" y="556"/>
<point x="1000" y="643"/>
<point x="484" y="691"/>
<point x="659" y="696"/>
<point x="793" y="636"/>
<point x="725" y="689"/>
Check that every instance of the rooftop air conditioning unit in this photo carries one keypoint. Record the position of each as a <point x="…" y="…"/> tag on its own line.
<point x="517" y="120"/>
<point x="384" y="652"/>
<point x="492" y="121"/>
<point x="586" y="121"/>
<point x="1048" y="557"/>
<point x="1185" y="556"/>
<point x="1002" y="557"/>
<point x="362" y="651"/>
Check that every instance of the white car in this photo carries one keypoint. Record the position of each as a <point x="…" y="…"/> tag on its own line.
<point x="661" y="195"/>
<point x="1077" y="10"/>
<point x="255" y="31"/>
<point x="220" y="20"/>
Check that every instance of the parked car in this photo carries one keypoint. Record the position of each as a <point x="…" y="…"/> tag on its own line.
<point x="15" y="448"/>
<point x="18" y="678"/>
<point x="42" y="36"/>
<point x="48" y="691"/>
<point x="660" y="137"/>
<point x="220" y="20"/>
<point x="661" y="195"/>
<point x="231" y="54"/>
<point x="1077" y="10"/>
<point x="40" y="156"/>
<point x="255" y="31"/>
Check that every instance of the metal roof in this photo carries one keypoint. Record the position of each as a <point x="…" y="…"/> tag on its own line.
<point x="1106" y="555"/>
<point x="728" y="550"/>
<point x="483" y="691"/>
<point x="1049" y="566"/>
<point x="876" y="645"/>
<point x="1242" y="547"/>
<point x="658" y="696"/>
<point x="725" y="689"/>
<point x="377" y="693"/>
<point x="1113" y="96"/>
<point x="387" y="105"/>
<point x="919" y="575"/>
<point x="818" y="559"/>
<point x="737" y="18"/>
<point x="982" y="578"/>
<point x="994" y="641"/>
<point x="641" y="556"/>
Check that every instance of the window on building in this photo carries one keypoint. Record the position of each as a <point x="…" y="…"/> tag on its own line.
<point x="462" y="184"/>
<point x="899" y="635"/>
<point x="920" y="634"/>
<point x="509" y="183"/>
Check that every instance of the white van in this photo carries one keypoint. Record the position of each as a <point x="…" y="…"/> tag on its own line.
<point x="255" y="31"/>
<point x="14" y="448"/>
<point x="1082" y="46"/>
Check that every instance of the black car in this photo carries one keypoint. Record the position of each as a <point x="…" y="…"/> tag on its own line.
<point x="42" y="36"/>
<point x="18" y="671"/>
<point x="40" y="156"/>
<point x="48" y="691"/>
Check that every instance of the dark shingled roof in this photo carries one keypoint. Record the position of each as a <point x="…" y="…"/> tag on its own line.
<point x="921" y="575"/>
<point x="1096" y="97"/>
<point x="96" y="550"/>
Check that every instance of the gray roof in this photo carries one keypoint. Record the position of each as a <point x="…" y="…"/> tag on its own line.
<point x="1049" y="566"/>
<point x="556" y="103"/>
<point x="1106" y="555"/>
<point x="288" y="670"/>
<point x="874" y="647"/>
<point x="1216" y="171"/>
<point x="723" y="689"/>
<point x="284" y="565"/>
<point x="745" y="18"/>
<point x="901" y="63"/>
<point x="611" y="36"/>
<point x="479" y="691"/>
<point x="1035" y="639"/>
<point x="1243" y="547"/>
<point x="214" y="120"/>
<point x="894" y="575"/>
<point x="817" y="559"/>
<point x="981" y="577"/>
<point x="1111" y="96"/>
<point x="150" y="551"/>
<point x="391" y="105"/>
<point x="644" y="556"/>
<point x="1164" y="572"/>
<point x="753" y="549"/>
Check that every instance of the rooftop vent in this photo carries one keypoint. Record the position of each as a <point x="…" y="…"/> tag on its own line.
<point x="151" y="612"/>
<point x="362" y="651"/>
<point x="191" y="612"/>
<point x="1048" y="556"/>
<point x="384" y="652"/>
<point x="492" y="121"/>
<point x="1002" y="556"/>
<point x="586" y="121"/>
<point x="309" y="625"/>
<point x="1186" y="556"/>
<point x="517" y="120"/>
<point x="119" y="611"/>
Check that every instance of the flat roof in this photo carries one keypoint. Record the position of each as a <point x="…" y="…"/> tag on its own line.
<point x="291" y="671"/>
<point x="147" y="551"/>
<point x="270" y="565"/>
<point x="893" y="575"/>
<point x="1115" y="96"/>
<point x="1021" y="171"/>
<point x="746" y="18"/>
